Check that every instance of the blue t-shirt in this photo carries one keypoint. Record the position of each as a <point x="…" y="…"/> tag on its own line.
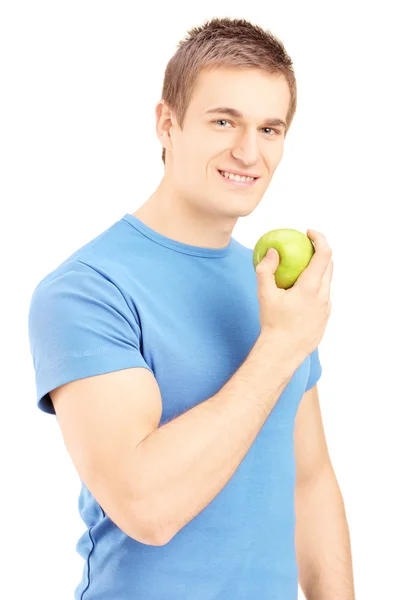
<point x="132" y="297"/>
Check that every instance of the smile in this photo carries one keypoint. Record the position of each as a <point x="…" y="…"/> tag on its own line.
<point x="242" y="183"/>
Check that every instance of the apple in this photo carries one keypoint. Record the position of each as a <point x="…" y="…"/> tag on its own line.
<point x="295" y="251"/>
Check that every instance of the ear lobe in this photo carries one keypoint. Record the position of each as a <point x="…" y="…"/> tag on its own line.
<point x="164" y="124"/>
<point x="164" y="135"/>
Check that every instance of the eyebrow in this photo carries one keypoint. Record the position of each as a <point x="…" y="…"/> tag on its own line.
<point x="233" y="112"/>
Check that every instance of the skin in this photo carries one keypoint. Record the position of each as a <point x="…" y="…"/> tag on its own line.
<point x="194" y="206"/>
<point x="191" y="203"/>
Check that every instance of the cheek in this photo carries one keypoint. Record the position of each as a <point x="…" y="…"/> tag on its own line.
<point x="277" y="152"/>
<point x="189" y="170"/>
<point x="272" y="155"/>
<point x="195" y="148"/>
<point x="195" y="157"/>
<point x="210" y="143"/>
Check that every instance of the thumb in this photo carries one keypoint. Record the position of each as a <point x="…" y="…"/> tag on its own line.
<point x="269" y="263"/>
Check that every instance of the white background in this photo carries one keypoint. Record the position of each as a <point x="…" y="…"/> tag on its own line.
<point x="80" y="81"/>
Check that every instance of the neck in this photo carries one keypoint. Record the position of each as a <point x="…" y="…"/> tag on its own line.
<point x="167" y="213"/>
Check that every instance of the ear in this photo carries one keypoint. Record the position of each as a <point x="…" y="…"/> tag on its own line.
<point x="164" y="124"/>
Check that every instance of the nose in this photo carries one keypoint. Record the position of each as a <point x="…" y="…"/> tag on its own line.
<point x="247" y="148"/>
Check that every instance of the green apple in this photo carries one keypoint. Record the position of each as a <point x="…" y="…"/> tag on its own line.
<point x="295" y="251"/>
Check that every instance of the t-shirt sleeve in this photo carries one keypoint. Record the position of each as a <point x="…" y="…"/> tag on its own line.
<point x="80" y="325"/>
<point x="315" y="369"/>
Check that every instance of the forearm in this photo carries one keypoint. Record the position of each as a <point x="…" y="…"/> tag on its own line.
<point x="323" y="541"/>
<point x="184" y="464"/>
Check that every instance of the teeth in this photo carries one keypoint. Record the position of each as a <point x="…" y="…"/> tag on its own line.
<point x="236" y="177"/>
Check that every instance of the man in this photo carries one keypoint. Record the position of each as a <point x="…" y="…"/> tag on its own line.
<point x="191" y="417"/>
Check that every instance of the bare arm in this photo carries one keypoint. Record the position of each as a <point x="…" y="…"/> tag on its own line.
<point x="183" y="465"/>
<point x="153" y="480"/>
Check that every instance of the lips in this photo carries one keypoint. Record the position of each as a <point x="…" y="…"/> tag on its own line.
<point x="240" y="174"/>
<point x="233" y="182"/>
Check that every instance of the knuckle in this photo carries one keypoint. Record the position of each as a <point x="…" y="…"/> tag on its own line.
<point x="311" y="286"/>
<point x="260" y="268"/>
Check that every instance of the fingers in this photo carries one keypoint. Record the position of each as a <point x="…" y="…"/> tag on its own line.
<point x="326" y="281"/>
<point x="312" y="276"/>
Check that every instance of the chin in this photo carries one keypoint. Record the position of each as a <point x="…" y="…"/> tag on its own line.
<point x="241" y="205"/>
<point x="237" y="209"/>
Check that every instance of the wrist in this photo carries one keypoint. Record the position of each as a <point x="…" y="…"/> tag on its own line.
<point x="279" y="347"/>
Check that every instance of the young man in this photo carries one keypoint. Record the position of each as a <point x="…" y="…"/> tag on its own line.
<point x="184" y="389"/>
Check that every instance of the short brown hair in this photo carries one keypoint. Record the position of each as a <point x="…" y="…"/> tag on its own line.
<point x="223" y="42"/>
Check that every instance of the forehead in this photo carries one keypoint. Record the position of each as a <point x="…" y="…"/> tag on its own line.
<point x="251" y="91"/>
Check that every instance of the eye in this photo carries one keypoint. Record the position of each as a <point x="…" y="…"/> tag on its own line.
<point x="275" y="130"/>
<point x="264" y="128"/>
<point x="221" y="121"/>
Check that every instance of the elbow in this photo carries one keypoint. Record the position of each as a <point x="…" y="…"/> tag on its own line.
<point x="150" y="539"/>
<point x="156" y="540"/>
<point x="160" y="534"/>
<point x="148" y="528"/>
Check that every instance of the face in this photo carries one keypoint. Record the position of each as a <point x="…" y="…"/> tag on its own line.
<point x="217" y="141"/>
